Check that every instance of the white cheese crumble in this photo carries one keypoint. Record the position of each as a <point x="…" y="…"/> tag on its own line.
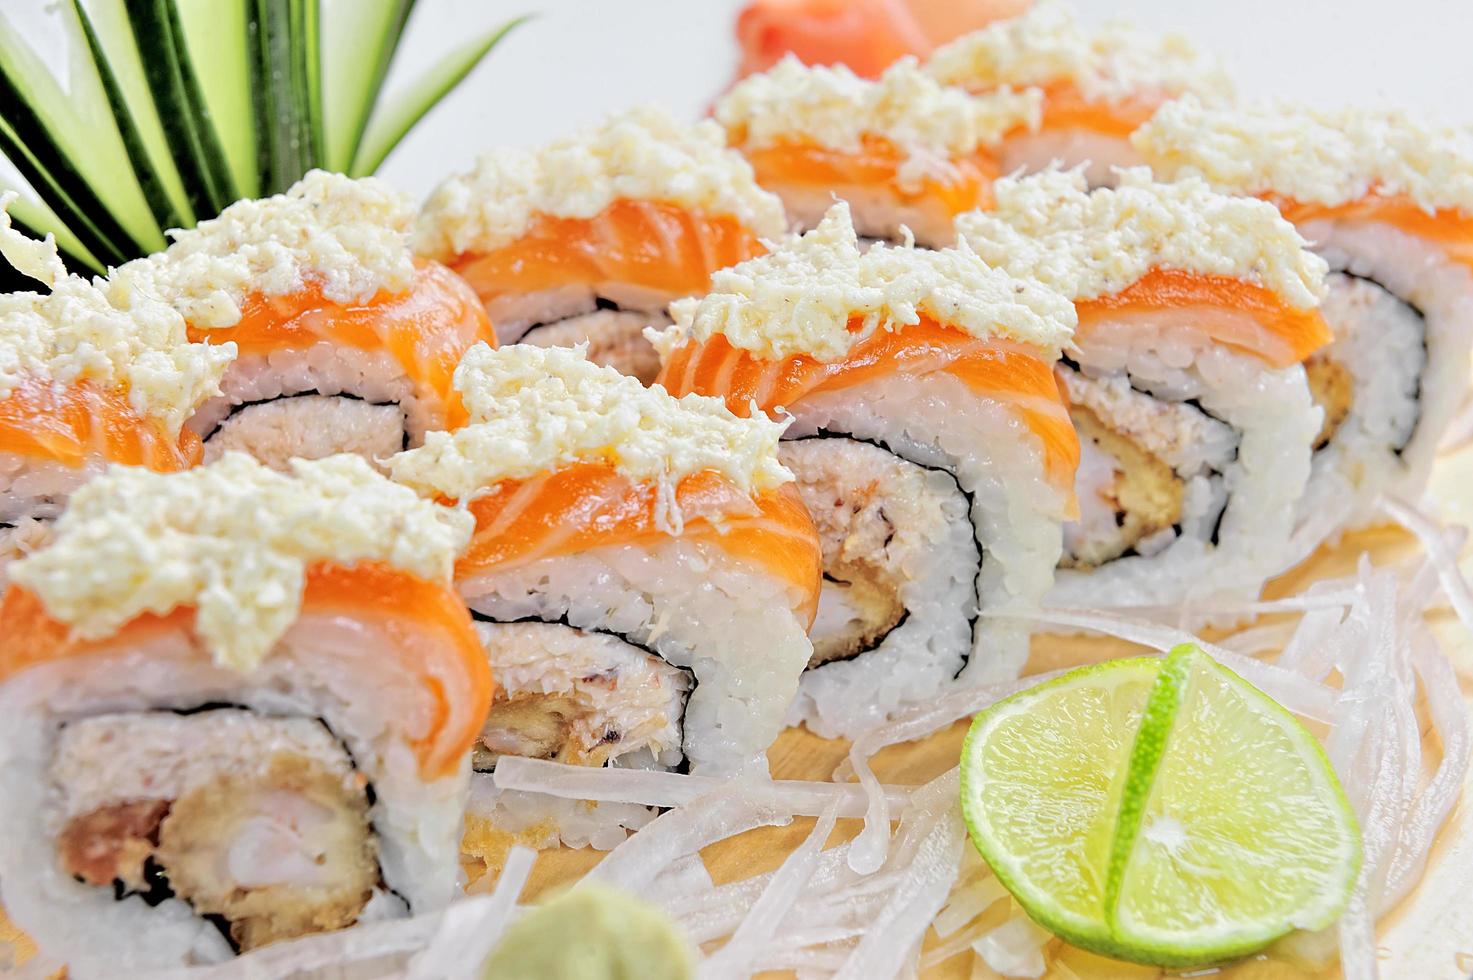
<point x="234" y="540"/>
<point x="74" y="334"/>
<point x="1327" y="157"/>
<point x="537" y="409"/>
<point x="641" y="155"/>
<point x="832" y="107"/>
<point x="349" y="237"/>
<point x="1088" y="244"/>
<point x="799" y="298"/>
<point x="1047" y="46"/>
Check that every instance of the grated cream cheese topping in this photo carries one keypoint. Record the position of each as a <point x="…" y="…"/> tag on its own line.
<point x="1328" y="157"/>
<point x="1088" y="244"/>
<point x="929" y="123"/>
<point x="1047" y="46"/>
<point x="234" y="540"/>
<point x="349" y="237"/>
<point x="74" y="334"/>
<point x="643" y="155"/>
<point x="537" y="409"/>
<point x="800" y="298"/>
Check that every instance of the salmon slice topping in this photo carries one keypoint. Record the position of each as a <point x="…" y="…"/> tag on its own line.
<point x="1233" y="312"/>
<point x="72" y="424"/>
<point x="425" y="626"/>
<point x="1012" y="373"/>
<point x="960" y="184"/>
<point x="1450" y="228"/>
<point x="650" y="244"/>
<point x="593" y="505"/>
<point x="425" y="329"/>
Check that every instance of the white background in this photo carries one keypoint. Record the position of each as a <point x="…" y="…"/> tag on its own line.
<point x="583" y="58"/>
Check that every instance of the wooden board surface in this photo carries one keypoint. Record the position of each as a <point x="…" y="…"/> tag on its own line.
<point x="1429" y="937"/>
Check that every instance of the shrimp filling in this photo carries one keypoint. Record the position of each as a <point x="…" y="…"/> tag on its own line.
<point x="580" y="697"/>
<point x="260" y="824"/>
<point x="882" y="521"/>
<point x="1150" y="470"/>
<point x="610" y="319"/>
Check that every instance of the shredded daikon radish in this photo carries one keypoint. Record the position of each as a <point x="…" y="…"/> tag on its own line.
<point x="649" y="787"/>
<point x="903" y="922"/>
<point x="744" y="949"/>
<point x="1299" y="694"/>
<point x="966" y="904"/>
<point x="735" y="807"/>
<point x="1015" y="948"/>
<point x="1445" y="560"/>
<point x="470" y="929"/>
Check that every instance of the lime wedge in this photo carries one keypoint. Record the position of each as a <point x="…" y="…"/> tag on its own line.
<point x="1041" y="774"/>
<point x="1164" y="812"/>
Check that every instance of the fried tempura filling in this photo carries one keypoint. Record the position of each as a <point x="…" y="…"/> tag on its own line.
<point x="275" y="850"/>
<point x="1142" y="492"/>
<point x="1333" y="389"/>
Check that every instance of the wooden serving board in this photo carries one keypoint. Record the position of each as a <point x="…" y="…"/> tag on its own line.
<point x="1429" y="937"/>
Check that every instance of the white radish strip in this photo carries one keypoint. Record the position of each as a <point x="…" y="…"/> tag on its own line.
<point x="469" y="929"/>
<point x="738" y="806"/>
<point x="1357" y="942"/>
<point x="871" y="846"/>
<point x="955" y="946"/>
<point x="1298" y="694"/>
<point x="1428" y="532"/>
<point x="668" y="789"/>
<point x="903" y="921"/>
<point x="385" y="944"/>
<point x="1321" y="595"/>
<point x="1308" y="651"/>
<point x="1258" y="640"/>
<point x="1015" y="948"/>
<point x="822" y="960"/>
<point x="686" y="877"/>
<point x="966" y="904"/>
<point x="1436" y="801"/>
<point x="737" y="958"/>
<point x="718" y="912"/>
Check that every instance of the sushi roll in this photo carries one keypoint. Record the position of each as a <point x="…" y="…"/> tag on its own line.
<point x="1097" y="87"/>
<point x="85" y="383"/>
<point x="236" y="707"/>
<point x="589" y="238"/>
<point x="1186" y="384"/>
<point x="1388" y="203"/>
<point x="642" y="572"/>
<point x="929" y="440"/>
<point x="902" y="150"/>
<point x="346" y="342"/>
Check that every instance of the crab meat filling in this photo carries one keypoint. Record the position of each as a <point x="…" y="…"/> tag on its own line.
<point x="1151" y="469"/>
<point x="580" y="697"/>
<point x="881" y="520"/>
<point x="610" y="319"/>
<point x="309" y="427"/>
<point x="261" y="824"/>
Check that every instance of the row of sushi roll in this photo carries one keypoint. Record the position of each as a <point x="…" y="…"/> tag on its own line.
<point x="799" y="415"/>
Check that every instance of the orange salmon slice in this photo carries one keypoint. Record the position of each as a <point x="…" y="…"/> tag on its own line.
<point x="651" y="244"/>
<point x="427" y="626"/>
<point x="876" y="164"/>
<point x="70" y="424"/>
<point x="1238" y="314"/>
<point x="593" y="505"/>
<point x="426" y="329"/>
<point x="1452" y="230"/>
<point x="1013" y="374"/>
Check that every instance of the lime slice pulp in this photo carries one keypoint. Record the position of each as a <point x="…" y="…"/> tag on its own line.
<point x="1164" y="812"/>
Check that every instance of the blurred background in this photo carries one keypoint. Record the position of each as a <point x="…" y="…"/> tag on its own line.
<point x="582" y="58"/>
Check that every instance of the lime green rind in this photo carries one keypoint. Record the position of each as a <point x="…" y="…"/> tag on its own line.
<point x="1333" y="896"/>
<point x="1084" y="933"/>
<point x="1170" y="690"/>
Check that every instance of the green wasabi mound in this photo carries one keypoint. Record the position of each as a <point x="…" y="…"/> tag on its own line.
<point x="592" y="933"/>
